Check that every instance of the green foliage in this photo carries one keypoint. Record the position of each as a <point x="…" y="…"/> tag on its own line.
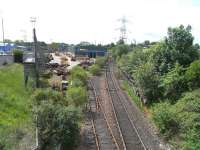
<point x="132" y="60"/>
<point x="129" y="89"/>
<point x="163" y="71"/>
<point x="165" y="118"/>
<point x="13" y="95"/>
<point x="47" y="95"/>
<point x="77" y="83"/>
<point x="186" y="114"/>
<point x="180" y="43"/>
<point x="14" y="105"/>
<point x="54" y="46"/>
<point x="160" y="56"/>
<point x="100" y="61"/>
<point x="193" y="74"/>
<point x="77" y="96"/>
<point x="79" y="73"/>
<point x="18" y="56"/>
<point x="58" y="123"/>
<point x="174" y="83"/>
<point x="58" y="126"/>
<point x="148" y="80"/>
<point x="95" y="69"/>
<point x="119" y="50"/>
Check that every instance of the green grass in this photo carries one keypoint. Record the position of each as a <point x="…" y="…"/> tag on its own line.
<point x="129" y="89"/>
<point x="15" y="109"/>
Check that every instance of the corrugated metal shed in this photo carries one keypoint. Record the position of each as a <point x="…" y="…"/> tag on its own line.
<point x="90" y="53"/>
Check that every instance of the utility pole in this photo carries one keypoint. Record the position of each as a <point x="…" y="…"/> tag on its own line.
<point x="33" y="21"/>
<point x="3" y="34"/>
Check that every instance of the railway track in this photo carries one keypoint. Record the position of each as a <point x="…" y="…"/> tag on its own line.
<point x="131" y="136"/>
<point x="110" y="117"/>
<point x="102" y="132"/>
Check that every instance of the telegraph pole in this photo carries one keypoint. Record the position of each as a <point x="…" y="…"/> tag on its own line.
<point x="3" y="34"/>
<point x="33" y="21"/>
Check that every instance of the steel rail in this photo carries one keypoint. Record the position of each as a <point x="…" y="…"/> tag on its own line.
<point x="105" y="116"/>
<point x="125" y="107"/>
<point x="113" y="108"/>
<point x="93" y="126"/>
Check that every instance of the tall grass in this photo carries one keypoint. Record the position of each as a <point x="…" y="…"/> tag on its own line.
<point x="14" y="103"/>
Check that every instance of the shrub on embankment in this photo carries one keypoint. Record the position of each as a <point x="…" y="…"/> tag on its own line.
<point x="57" y="121"/>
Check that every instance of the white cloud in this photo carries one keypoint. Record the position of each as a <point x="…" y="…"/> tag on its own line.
<point x="73" y="21"/>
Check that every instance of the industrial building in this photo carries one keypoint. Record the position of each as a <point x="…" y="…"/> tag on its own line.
<point x="90" y="53"/>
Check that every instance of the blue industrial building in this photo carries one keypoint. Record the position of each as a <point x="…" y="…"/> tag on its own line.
<point x="90" y="53"/>
<point x="7" y="47"/>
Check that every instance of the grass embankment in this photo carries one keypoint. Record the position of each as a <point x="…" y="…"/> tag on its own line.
<point x="129" y="89"/>
<point x="14" y="102"/>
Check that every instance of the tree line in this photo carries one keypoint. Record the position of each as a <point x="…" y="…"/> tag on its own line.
<point x="167" y="74"/>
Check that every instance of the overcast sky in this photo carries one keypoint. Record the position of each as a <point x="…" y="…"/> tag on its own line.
<point x="72" y="21"/>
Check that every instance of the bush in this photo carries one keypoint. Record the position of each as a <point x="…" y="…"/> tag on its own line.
<point x="77" y="96"/>
<point x="174" y="83"/>
<point x="79" y="73"/>
<point x="193" y="74"/>
<point x="100" y="61"/>
<point x="95" y="69"/>
<point x="188" y="110"/>
<point x="181" y="119"/>
<point x="5" y="63"/>
<point x="18" y="56"/>
<point x="165" y="118"/>
<point x="77" y="83"/>
<point x="46" y="95"/>
<point x="58" y="126"/>
<point x="147" y="80"/>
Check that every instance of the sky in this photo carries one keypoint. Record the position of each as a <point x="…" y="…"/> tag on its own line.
<point x="97" y="21"/>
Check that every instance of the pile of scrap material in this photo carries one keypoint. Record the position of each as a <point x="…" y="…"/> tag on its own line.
<point x="60" y="70"/>
<point x="58" y="63"/>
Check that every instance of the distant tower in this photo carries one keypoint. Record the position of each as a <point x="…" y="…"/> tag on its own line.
<point x="123" y="29"/>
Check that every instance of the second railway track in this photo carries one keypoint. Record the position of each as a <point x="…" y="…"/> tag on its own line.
<point x="130" y="134"/>
<point x="103" y="135"/>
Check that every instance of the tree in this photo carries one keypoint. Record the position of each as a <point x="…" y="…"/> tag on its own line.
<point x="119" y="50"/>
<point x="180" y="42"/>
<point x="147" y="80"/>
<point x="161" y="57"/>
<point x="174" y="83"/>
<point x="18" y="56"/>
<point x="193" y="74"/>
<point x="7" y="41"/>
<point x="54" y="46"/>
